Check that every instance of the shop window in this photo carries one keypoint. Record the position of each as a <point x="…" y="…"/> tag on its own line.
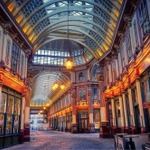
<point x="144" y="18"/>
<point x="9" y="124"/>
<point x="3" y="103"/>
<point x="96" y="118"/>
<point x="10" y="112"/>
<point x="2" y="111"/>
<point x="1" y="124"/>
<point x="118" y="115"/>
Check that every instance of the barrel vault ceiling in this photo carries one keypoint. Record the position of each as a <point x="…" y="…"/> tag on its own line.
<point x="91" y="25"/>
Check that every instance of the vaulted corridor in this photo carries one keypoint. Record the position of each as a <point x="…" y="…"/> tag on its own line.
<point x="74" y="72"/>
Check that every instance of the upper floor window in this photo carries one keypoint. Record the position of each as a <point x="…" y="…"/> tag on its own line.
<point x="15" y="58"/>
<point x="82" y="76"/>
<point x="8" y="51"/>
<point x="95" y="93"/>
<point x="82" y="94"/>
<point x="114" y="72"/>
<point x="144" y="18"/>
<point x="128" y="43"/>
<point x="22" y="64"/>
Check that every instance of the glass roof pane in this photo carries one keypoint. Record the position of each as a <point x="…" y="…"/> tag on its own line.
<point x="57" y="52"/>
<point x="91" y="23"/>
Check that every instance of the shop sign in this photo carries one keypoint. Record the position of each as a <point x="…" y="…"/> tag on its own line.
<point x="146" y="105"/>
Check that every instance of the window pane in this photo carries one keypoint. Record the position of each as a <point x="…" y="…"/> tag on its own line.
<point x="16" y="124"/>
<point x="3" y="102"/>
<point x="9" y="124"/>
<point x="10" y="105"/>
<point x="1" y="124"/>
<point x="17" y="106"/>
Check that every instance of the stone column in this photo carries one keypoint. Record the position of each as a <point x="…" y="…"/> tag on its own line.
<point x="74" y="111"/>
<point x="132" y="118"/>
<point x="125" y="113"/>
<point x="27" y="116"/>
<point x="121" y="113"/>
<point x="91" y="125"/>
<point x="113" y="130"/>
<point x="117" y="67"/>
<point x="22" y="120"/>
<point x="139" y="98"/>
<point x="104" y="125"/>
<point x="110" y="73"/>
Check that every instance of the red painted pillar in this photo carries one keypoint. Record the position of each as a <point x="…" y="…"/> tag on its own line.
<point x="91" y="126"/>
<point x="74" y="111"/>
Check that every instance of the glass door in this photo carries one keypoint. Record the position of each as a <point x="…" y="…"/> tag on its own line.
<point x="83" y="121"/>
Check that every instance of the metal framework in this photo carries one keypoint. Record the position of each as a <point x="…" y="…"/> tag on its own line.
<point x="96" y="20"/>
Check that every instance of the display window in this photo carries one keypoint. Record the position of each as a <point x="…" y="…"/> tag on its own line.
<point x="17" y="106"/>
<point x="10" y="103"/>
<point x="10" y="112"/>
<point x="3" y="103"/>
<point x="16" y="124"/>
<point x="9" y="124"/>
<point x="96" y="118"/>
<point x="1" y="124"/>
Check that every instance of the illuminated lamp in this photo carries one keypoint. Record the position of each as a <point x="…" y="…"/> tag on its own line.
<point x="55" y="86"/>
<point x="69" y="62"/>
<point x="62" y="87"/>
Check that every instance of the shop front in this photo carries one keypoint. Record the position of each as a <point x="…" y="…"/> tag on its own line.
<point x="10" y="110"/>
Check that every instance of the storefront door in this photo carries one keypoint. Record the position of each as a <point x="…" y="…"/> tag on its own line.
<point x="83" y="122"/>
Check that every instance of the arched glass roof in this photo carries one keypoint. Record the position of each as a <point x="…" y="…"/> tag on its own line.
<point x="42" y="92"/>
<point x="92" y="23"/>
<point x="56" y="53"/>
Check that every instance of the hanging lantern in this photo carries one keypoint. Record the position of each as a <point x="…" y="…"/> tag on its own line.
<point x="69" y="63"/>
<point x="55" y="86"/>
<point x="62" y="87"/>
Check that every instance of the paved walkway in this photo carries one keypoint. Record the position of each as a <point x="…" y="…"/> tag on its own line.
<point x="54" y="140"/>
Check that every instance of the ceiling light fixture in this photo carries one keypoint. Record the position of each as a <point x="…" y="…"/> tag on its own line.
<point x="69" y="62"/>
<point x="57" y="85"/>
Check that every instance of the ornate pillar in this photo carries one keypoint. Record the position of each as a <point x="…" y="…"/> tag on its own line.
<point x="104" y="110"/>
<point x="117" y="67"/>
<point x="74" y="111"/>
<point x="91" y="125"/>
<point x="110" y="73"/>
<point x="139" y="98"/>
<point x="22" y="120"/>
<point x="121" y="114"/>
<point x="125" y="113"/>
<point x="27" y="116"/>
<point x="113" y="130"/>
<point x="132" y="117"/>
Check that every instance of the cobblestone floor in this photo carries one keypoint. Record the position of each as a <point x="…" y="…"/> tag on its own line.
<point x="54" y="140"/>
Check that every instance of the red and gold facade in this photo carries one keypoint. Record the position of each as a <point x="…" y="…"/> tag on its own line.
<point x="14" y="89"/>
<point x="78" y="110"/>
<point x="127" y="75"/>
